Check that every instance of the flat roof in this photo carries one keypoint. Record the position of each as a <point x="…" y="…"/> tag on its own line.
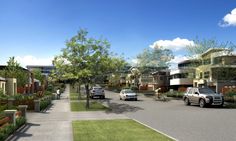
<point x="2" y="79"/>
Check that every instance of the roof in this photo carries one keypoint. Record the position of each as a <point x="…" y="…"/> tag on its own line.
<point x="189" y="61"/>
<point x="212" y="50"/>
<point x="39" y="66"/>
<point x="4" y="66"/>
<point x="2" y="79"/>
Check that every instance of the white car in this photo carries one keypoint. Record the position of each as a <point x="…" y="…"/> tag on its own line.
<point x="127" y="94"/>
<point x="97" y="92"/>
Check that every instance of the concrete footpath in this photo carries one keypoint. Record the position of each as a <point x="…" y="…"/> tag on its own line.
<point x="55" y="124"/>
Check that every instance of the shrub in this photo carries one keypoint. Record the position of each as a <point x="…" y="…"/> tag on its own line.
<point x="48" y="93"/>
<point x="3" y="107"/>
<point x="134" y="88"/>
<point x="229" y="96"/>
<point x="1" y="91"/>
<point x="6" y="131"/>
<point x="176" y="94"/>
<point x="50" y="88"/>
<point x="44" y="103"/>
<point x="20" y="121"/>
<point x="230" y="93"/>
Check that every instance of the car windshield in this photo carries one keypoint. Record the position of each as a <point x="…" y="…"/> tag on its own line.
<point x="97" y="88"/>
<point x="128" y="91"/>
<point x="206" y="91"/>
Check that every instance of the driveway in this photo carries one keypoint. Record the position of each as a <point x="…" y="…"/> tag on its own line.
<point x="185" y="123"/>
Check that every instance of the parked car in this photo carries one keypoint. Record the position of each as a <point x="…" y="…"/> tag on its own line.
<point x="97" y="92"/>
<point x="202" y="96"/>
<point x="128" y="94"/>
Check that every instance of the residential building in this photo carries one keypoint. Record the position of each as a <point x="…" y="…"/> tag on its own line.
<point x="218" y="70"/>
<point x="45" y="70"/>
<point x="182" y="77"/>
<point x="153" y="78"/>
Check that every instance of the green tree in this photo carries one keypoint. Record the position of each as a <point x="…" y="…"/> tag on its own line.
<point x="85" y="59"/>
<point x="14" y="70"/>
<point x="157" y="57"/>
<point x="38" y="75"/>
<point x="201" y="46"/>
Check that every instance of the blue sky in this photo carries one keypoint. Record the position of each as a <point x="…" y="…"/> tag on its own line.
<point x="35" y="30"/>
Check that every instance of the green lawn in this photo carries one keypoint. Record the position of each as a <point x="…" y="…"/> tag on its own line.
<point x="74" y="96"/>
<point x="80" y="106"/>
<point x="114" y="130"/>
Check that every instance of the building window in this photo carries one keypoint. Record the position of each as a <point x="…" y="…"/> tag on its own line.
<point x="206" y="62"/>
<point x="200" y="75"/>
<point x="161" y="77"/>
<point x="206" y="74"/>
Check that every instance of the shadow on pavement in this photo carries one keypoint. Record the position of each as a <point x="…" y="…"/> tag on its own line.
<point x="122" y="108"/>
<point x="119" y="108"/>
<point x="21" y="132"/>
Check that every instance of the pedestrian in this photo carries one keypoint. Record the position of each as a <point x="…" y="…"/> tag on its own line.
<point x="158" y="93"/>
<point x="58" y="93"/>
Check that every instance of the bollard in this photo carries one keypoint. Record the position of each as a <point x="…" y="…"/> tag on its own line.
<point x="37" y="105"/>
<point x="12" y="115"/>
<point x="23" y="109"/>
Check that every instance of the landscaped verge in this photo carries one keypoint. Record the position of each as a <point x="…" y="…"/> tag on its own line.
<point x="114" y="130"/>
<point x="7" y="128"/>
<point x="76" y="96"/>
<point x="80" y="106"/>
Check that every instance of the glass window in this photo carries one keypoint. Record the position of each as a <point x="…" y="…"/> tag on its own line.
<point x="206" y="74"/>
<point x="200" y="75"/>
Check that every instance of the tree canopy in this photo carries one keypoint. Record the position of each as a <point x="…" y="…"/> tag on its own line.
<point x="14" y="70"/>
<point x="86" y="59"/>
<point x="201" y="46"/>
<point x="156" y="57"/>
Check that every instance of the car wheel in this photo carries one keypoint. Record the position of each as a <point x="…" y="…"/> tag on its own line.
<point x="120" y="98"/>
<point x="221" y="105"/>
<point x="202" y="103"/>
<point x="186" y="101"/>
<point x="136" y="99"/>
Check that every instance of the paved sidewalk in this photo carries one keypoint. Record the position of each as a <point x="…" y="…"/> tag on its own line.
<point x="55" y="123"/>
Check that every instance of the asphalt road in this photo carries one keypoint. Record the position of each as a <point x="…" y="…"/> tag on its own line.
<point x="185" y="123"/>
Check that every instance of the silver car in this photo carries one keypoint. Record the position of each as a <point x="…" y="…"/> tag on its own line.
<point x="203" y="97"/>
<point x="97" y="92"/>
<point x="128" y="94"/>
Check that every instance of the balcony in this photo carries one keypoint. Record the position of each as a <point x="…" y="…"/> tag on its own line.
<point x="181" y="81"/>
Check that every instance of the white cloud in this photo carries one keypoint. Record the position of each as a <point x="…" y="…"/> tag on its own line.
<point x="32" y="60"/>
<point x="175" y="44"/>
<point x="229" y="19"/>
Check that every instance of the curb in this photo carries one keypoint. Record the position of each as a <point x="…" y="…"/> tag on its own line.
<point x="156" y="130"/>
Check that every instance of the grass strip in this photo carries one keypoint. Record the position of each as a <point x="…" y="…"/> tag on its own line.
<point x="114" y="130"/>
<point x="80" y="106"/>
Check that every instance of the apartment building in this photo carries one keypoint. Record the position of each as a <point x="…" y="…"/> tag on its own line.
<point x="183" y="76"/>
<point x="217" y="70"/>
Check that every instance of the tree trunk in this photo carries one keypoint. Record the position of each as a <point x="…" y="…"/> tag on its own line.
<point x="79" y="88"/>
<point x="87" y="94"/>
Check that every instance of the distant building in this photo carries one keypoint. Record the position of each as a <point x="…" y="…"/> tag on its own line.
<point x="153" y="78"/>
<point x="182" y="77"/>
<point x="45" y="70"/>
